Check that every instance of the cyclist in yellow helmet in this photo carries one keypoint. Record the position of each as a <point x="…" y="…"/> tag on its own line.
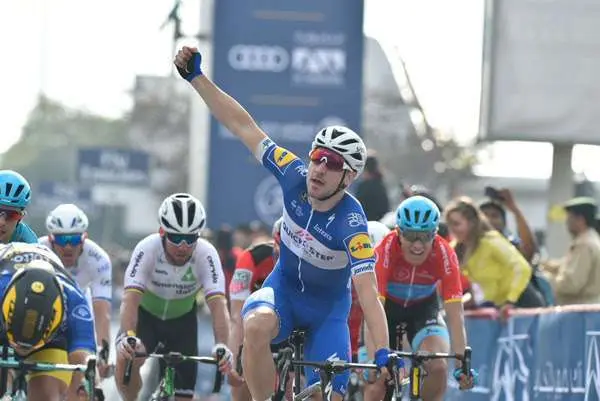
<point x="44" y="317"/>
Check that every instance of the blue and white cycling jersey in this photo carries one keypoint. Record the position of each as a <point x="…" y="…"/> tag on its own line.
<point x="24" y="233"/>
<point x="78" y="326"/>
<point x="310" y="285"/>
<point x="319" y="250"/>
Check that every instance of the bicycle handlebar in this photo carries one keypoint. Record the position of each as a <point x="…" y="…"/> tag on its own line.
<point x="174" y="358"/>
<point x="23" y="365"/>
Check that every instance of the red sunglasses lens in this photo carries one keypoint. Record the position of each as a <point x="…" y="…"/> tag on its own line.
<point x="332" y="160"/>
<point x="10" y="214"/>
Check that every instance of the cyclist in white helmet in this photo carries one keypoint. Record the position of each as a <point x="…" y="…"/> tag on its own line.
<point x="87" y="263"/>
<point x="324" y="245"/>
<point x="166" y="272"/>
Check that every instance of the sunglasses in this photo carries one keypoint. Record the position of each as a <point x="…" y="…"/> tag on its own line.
<point x="178" y="239"/>
<point x="11" y="214"/>
<point x="414" y="236"/>
<point x="68" y="239"/>
<point x="332" y="160"/>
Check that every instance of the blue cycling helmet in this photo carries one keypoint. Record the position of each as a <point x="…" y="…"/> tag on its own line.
<point x="14" y="189"/>
<point x="418" y="213"/>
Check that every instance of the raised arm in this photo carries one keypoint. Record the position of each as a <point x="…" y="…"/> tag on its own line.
<point x="225" y="108"/>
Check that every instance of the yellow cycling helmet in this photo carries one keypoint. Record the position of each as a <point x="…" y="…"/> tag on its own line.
<point x="33" y="306"/>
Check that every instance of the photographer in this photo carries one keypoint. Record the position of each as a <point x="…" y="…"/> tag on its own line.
<point x="495" y="211"/>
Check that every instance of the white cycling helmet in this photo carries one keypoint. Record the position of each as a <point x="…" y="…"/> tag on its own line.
<point x="346" y="143"/>
<point x="182" y="214"/>
<point x="377" y="231"/>
<point x="67" y="219"/>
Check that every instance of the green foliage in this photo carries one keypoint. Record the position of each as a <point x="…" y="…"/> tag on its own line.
<point x="47" y="149"/>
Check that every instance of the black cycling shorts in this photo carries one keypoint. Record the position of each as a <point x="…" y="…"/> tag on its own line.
<point x="176" y="335"/>
<point x="414" y="319"/>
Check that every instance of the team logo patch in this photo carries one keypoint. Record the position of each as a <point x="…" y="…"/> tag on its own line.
<point x="283" y="157"/>
<point x="360" y="247"/>
<point x="37" y="287"/>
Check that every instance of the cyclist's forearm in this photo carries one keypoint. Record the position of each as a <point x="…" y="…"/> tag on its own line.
<point x="237" y="329"/>
<point x="76" y="358"/>
<point x="229" y="112"/>
<point x="456" y="326"/>
<point x="102" y="312"/>
<point x="220" y="318"/>
<point x="366" y="288"/>
<point x="129" y="310"/>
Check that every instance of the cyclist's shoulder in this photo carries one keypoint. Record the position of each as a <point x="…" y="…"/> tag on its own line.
<point x="260" y="251"/>
<point x="204" y="248"/>
<point x="24" y="233"/>
<point x="149" y="243"/>
<point x="44" y="240"/>
<point x="94" y="252"/>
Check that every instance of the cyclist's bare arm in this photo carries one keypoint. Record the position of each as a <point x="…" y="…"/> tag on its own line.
<point x="220" y="318"/>
<point x="229" y="113"/>
<point x="102" y="311"/>
<point x="366" y="289"/>
<point x="456" y="325"/>
<point x="129" y="309"/>
<point x="237" y="330"/>
<point x="78" y="357"/>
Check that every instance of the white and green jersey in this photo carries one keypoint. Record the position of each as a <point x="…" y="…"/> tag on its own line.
<point x="170" y="291"/>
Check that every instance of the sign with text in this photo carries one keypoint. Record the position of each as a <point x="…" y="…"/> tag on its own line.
<point x="113" y="166"/>
<point x="296" y="66"/>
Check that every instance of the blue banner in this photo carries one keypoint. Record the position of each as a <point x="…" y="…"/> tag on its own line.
<point x="49" y="194"/>
<point x="113" y="166"/>
<point x="296" y="66"/>
<point x="554" y="356"/>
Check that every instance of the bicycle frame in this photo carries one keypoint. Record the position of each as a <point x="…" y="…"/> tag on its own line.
<point x="23" y="367"/>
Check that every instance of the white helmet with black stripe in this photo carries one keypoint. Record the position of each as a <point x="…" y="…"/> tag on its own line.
<point x="345" y="142"/>
<point x="182" y="214"/>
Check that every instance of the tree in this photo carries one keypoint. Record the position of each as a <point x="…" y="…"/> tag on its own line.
<point x="47" y="149"/>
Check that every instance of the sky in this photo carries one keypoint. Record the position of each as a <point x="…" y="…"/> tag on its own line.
<point x="86" y="54"/>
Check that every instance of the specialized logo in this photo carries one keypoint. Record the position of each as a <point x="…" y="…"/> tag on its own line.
<point x="283" y="157"/>
<point x="360" y="247"/>
<point x="37" y="287"/>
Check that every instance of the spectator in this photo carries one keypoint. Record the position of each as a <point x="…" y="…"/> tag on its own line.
<point x="371" y="191"/>
<point x="597" y="223"/>
<point x="242" y="236"/>
<point x="576" y="278"/>
<point x="495" y="211"/>
<point x="228" y="253"/>
<point x="260" y="232"/>
<point x="489" y="260"/>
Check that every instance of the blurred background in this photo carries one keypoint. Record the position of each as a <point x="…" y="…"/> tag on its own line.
<point x="450" y="96"/>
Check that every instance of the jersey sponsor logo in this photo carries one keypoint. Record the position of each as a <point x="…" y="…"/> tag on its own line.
<point x="362" y="268"/>
<point x="356" y="219"/>
<point x="189" y="275"/>
<point x="82" y="312"/>
<point x="360" y="247"/>
<point x="213" y="269"/>
<point x="241" y="281"/>
<point x="136" y="264"/>
<point x="94" y="254"/>
<point x="104" y="267"/>
<point x="330" y="220"/>
<point x="283" y="157"/>
<point x="322" y="232"/>
<point x="105" y="283"/>
<point x="162" y="272"/>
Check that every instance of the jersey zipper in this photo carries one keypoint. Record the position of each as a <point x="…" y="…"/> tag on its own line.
<point x="303" y="250"/>
<point x="412" y="279"/>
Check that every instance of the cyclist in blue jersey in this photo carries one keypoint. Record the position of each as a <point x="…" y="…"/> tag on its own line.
<point x="15" y="195"/>
<point x="45" y="317"/>
<point x="324" y="244"/>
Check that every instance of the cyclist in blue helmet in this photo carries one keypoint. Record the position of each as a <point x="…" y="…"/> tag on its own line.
<point x="418" y="276"/>
<point x="15" y="195"/>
